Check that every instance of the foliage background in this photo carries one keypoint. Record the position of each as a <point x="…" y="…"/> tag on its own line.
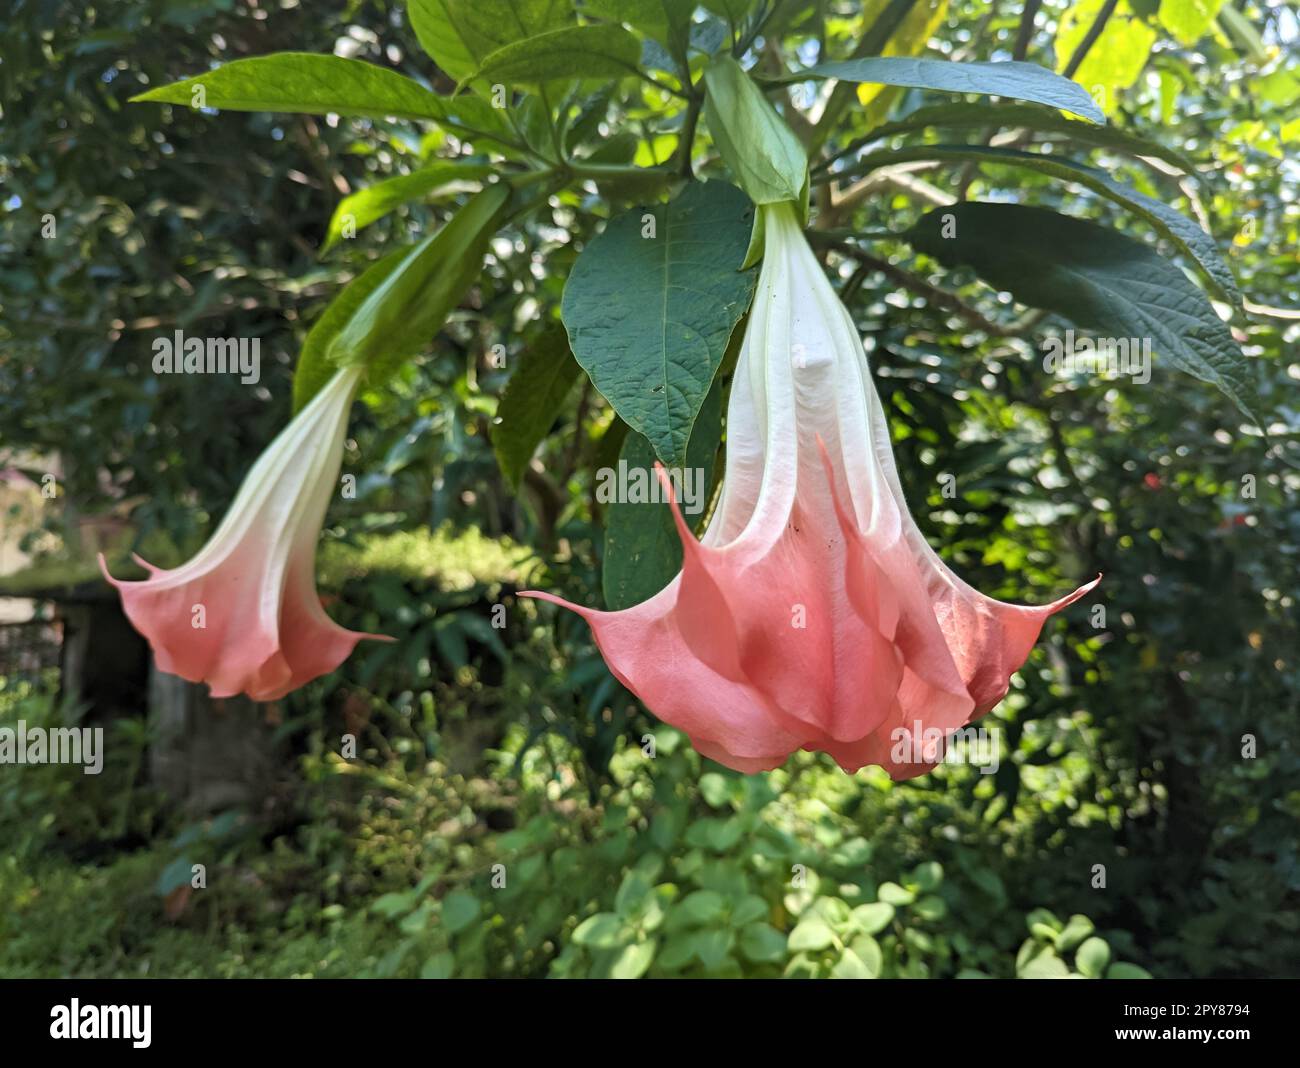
<point x="482" y="748"/>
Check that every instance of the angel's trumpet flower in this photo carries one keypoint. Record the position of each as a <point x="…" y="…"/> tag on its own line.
<point x="243" y="615"/>
<point x="813" y="614"/>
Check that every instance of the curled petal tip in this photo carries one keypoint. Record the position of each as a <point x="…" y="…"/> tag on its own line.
<point x="145" y="564"/>
<point x="684" y="531"/>
<point x="542" y="595"/>
<point x="1081" y="592"/>
<point x="103" y="567"/>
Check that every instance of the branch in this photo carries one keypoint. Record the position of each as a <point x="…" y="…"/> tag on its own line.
<point x="1291" y="314"/>
<point x="900" y="178"/>
<point x="1026" y="31"/>
<point x="1090" y="38"/>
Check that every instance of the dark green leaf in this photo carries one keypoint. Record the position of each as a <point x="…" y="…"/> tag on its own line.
<point x="1097" y="278"/>
<point x="1191" y="240"/>
<point x="649" y="317"/>
<point x="531" y="399"/>
<point x="763" y="943"/>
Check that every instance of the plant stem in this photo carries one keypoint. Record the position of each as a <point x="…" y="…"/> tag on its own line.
<point x="1026" y="31"/>
<point x="1090" y="38"/>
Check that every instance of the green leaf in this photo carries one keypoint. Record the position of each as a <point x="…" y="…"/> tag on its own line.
<point x="758" y="147"/>
<point x="649" y="317"/>
<point x="632" y="892"/>
<point x="871" y="956"/>
<point x="927" y="876"/>
<point x="1244" y="35"/>
<point x="1190" y="239"/>
<point x="604" y="930"/>
<point x="734" y="11"/>
<point x="701" y="907"/>
<point x="1092" y="958"/>
<point x="460" y="908"/>
<point x="418" y="920"/>
<point x="440" y="966"/>
<point x="488" y="25"/>
<point x="893" y="894"/>
<point x="1043" y="932"/>
<point x="980" y="114"/>
<point x="1188" y="20"/>
<point x="601" y="51"/>
<point x="677" y="953"/>
<point x="1046" y="965"/>
<point x="811" y="935"/>
<point x="314" y="367"/>
<point x="643" y="550"/>
<point x="305" y="83"/>
<point x="532" y="398"/>
<point x="850" y="966"/>
<point x="1006" y="78"/>
<point x="434" y="22"/>
<point x="375" y="201"/>
<point x="392" y="310"/>
<point x="1123" y="970"/>
<point x="633" y="961"/>
<point x="180" y="872"/>
<point x="713" y="946"/>
<point x="1076" y="930"/>
<point x="762" y="943"/>
<point x="1116" y="58"/>
<point x="747" y="909"/>
<point x="931" y="908"/>
<point x="1097" y="278"/>
<point x="715" y="789"/>
<point x="874" y="917"/>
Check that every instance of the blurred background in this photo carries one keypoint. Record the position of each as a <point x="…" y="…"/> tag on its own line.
<point x="500" y="817"/>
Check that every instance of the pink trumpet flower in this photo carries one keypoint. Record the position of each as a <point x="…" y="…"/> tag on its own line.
<point x="243" y="615"/>
<point x="812" y="614"/>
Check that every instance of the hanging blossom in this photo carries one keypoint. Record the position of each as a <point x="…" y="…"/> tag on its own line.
<point x="243" y="615"/>
<point x="813" y="614"/>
